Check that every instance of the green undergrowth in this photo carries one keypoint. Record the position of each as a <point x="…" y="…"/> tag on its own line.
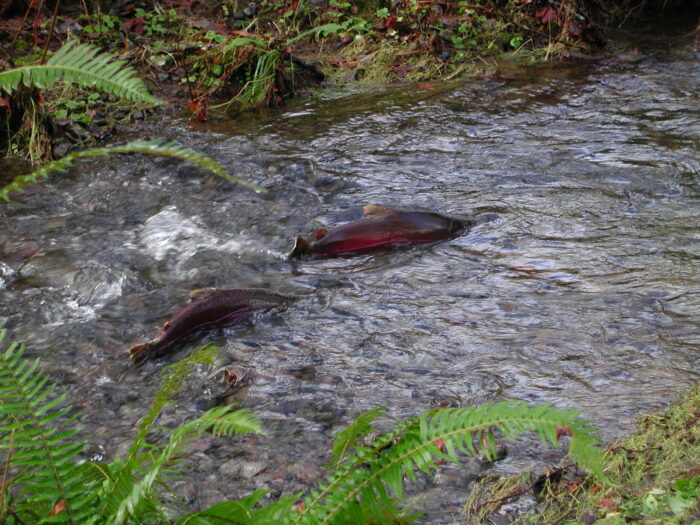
<point x="235" y="55"/>
<point x="232" y="56"/>
<point x="26" y="117"/>
<point x="653" y="478"/>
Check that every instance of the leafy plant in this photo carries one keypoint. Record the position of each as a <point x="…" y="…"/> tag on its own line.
<point x="151" y="147"/>
<point x="157" y="22"/>
<point x="37" y="439"/>
<point x="84" y="65"/>
<point x="367" y="481"/>
<point x="100" y="24"/>
<point x="651" y="476"/>
<point x="51" y="483"/>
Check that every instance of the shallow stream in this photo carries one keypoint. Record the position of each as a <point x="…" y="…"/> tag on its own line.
<point x="578" y="285"/>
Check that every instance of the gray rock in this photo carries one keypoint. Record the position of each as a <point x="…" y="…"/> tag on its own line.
<point x="242" y="468"/>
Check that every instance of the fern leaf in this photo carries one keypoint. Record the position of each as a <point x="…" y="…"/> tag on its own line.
<point x="45" y="457"/>
<point x="360" y="481"/>
<point x="237" y="422"/>
<point x="349" y="437"/>
<point x="84" y="65"/>
<point x="246" y="511"/>
<point x="121" y="477"/>
<point x="151" y="147"/>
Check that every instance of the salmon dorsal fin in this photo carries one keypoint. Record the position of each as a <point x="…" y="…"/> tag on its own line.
<point x="374" y="209"/>
<point x="199" y="292"/>
<point x="300" y="248"/>
<point x="320" y="234"/>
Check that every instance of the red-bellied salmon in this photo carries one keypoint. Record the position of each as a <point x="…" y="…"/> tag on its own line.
<point x="379" y="228"/>
<point x="208" y="309"/>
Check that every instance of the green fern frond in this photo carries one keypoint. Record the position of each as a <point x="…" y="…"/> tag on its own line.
<point x="370" y="479"/>
<point x="174" y="377"/>
<point x="245" y="511"/>
<point x="325" y="28"/>
<point x="43" y="450"/>
<point x="150" y="147"/>
<point x="218" y="419"/>
<point x="82" y="64"/>
<point x="348" y="437"/>
<point x="240" y="42"/>
<point x="121" y="477"/>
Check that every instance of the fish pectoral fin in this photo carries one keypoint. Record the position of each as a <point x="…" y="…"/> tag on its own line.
<point x="300" y="248"/>
<point x="197" y="293"/>
<point x="374" y="209"/>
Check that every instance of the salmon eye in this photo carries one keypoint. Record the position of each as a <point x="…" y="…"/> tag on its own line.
<point x="320" y="234"/>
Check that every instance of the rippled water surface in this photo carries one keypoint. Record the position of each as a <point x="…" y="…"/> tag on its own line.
<point x="578" y="284"/>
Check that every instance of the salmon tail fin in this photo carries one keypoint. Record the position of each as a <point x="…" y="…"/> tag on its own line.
<point x="140" y="352"/>
<point x="374" y="209"/>
<point x="300" y="247"/>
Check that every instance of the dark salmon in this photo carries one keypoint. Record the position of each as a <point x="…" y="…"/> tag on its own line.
<point x="380" y="228"/>
<point x="208" y="309"/>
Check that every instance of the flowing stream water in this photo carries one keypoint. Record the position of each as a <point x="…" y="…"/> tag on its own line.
<point x="578" y="285"/>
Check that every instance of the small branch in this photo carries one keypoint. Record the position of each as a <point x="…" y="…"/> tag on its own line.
<point x="21" y="25"/>
<point x="523" y="491"/>
<point x="560" y="518"/>
<point x="48" y="38"/>
<point x="629" y="13"/>
<point x="542" y="33"/>
<point x="185" y="49"/>
<point x="17" y="518"/>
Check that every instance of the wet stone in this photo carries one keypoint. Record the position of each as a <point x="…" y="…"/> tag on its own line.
<point x="524" y="504"/>
<point x="305" y="471"/>
<point x="61" y="148"/>
<point x="186" y="491"/>
<point x="456" y="477"/>
<point x="242" y="468"/>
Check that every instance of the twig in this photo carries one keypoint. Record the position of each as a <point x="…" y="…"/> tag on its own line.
<point x="560" y="518"/>
<point x="186" y="49"/>
<point x="629" y="13"/>
<point x="16" y="517"/>
<point x="505" y="498"/>
<point x="523" y="491"/>
<point x="542" y="33"/>
<point x="311" y="67"/>
<point x="53" y="23"/>
<point x="24" y="20"/>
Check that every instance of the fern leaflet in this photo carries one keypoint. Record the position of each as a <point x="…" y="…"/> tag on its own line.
<point x="43" y="450"/>
<point x="219" y="420"/>
<point x="150" y="147"/>
<point x="84" y="65"/>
